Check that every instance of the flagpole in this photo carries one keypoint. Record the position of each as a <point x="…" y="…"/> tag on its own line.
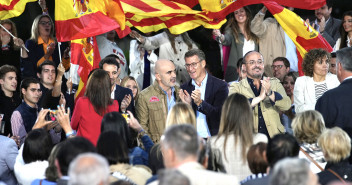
<point x="13" y="36"/>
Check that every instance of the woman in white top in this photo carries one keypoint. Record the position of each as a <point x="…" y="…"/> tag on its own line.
<point x="309" y="88"/>
<point x="236" y="135"/>
<point x="171" y="47"/>
<point x="345" y="31"/>
<point x="32" y="158"/>
<point x="238" y="35"/>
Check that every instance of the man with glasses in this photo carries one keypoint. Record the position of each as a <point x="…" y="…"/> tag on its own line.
<point x="25" y="115"/>
<point x="280" y="67"/>
<point x="266" y="95"/>
<point x="204" y="92"/>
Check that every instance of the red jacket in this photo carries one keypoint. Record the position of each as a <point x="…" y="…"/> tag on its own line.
<point x="86" y="121"/>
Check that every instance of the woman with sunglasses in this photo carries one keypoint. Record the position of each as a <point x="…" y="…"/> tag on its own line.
<point x="43" y="46"/>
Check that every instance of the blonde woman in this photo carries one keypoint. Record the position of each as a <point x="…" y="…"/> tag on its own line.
<point x="131" y="83"/>
<point x="307" y="127"/>
<point x="236" y="136"/>
<point x="180" y="113"/>
<point x="336" y="146"/>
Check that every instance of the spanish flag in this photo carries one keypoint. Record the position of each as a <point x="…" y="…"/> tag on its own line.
<point x="218" y="9"/>
<point x="85" y="54"/>
<point x="302" y="34"/>
<point x="154" y="15"/>
<point x="76" y="19"/>
<point x="12" y="8"/>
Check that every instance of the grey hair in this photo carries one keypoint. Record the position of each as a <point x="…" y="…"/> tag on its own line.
<point x="89" y="169"/>
<point x="183" y="139"/>
<point x="344" y="56"/>
<point x="290" y="171"/>
<point x="172" y="177"/>
<point x="200" y="54"/>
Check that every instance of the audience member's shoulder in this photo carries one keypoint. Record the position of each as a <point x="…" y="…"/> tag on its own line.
<point x="259" y="137"/>
<point x="259" y="181"/>
<point x="5" y="141"/>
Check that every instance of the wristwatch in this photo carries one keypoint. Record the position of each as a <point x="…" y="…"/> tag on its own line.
<point x="270" y="93"/>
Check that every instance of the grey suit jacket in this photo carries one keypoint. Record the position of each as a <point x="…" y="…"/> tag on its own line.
<point x="331" y="32"/>
<point x="7" y="160"/>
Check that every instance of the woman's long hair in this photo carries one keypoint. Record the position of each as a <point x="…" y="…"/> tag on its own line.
<point x="343" y="33"/>
<point x="13" y="31"/>
<point x="188" y="41"/>
<point x="233" y="26"/>
<point x="98" y="91"/>
<point x="237" y="120"/>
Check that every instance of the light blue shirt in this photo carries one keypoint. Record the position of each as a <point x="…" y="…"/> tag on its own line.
<point x="170" y="102"/>
<point x="291" y="53"/>
<point x="202" y="125"/>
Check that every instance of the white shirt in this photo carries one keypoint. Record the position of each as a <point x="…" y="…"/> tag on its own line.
<point x="291" y="53"/>
<point x="202" y="125"/>
<point x="248" y="45"/>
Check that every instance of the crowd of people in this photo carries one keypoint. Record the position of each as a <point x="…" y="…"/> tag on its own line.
<point x="165" y="115"/>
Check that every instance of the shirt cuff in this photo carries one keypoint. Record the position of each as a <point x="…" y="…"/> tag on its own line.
<point x="277" y="98"/>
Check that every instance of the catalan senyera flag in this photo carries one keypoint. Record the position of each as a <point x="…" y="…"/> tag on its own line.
<point x="217" y="9"/>
<point x="76" y="19"/>
<point x="85" y="53"/>
<point x="12" y="8"/>
<point x="302" y="34"/>
<point x="153" y="15"/>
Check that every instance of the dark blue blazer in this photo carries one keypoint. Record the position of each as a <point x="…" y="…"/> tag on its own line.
<point x="36" y="52"/>
<point x="120" y="93"/>
<point x="216" y="92"/>
<point x="336" y="107"/>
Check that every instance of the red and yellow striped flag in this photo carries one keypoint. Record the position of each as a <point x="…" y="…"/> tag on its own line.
<point x="85" y="53"/>
<point x="153" y="15"/>
<point x="76" y="19"/>
<point x="218" y="9"/>
<point x="302" y="34"/>
<point x="12" y="8"/>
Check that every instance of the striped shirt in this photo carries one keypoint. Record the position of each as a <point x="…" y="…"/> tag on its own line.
<point x="320" y="89"/>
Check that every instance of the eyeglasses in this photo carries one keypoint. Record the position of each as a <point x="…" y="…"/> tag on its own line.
<point x="276" y="66"/>
<point x="45" y="23"/>
<point x="259" y="62"/>
<point x="34" y="89"/>
<point x="194" y="65"/>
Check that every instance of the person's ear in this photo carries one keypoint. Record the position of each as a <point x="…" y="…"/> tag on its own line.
<point x="58" y="168"/>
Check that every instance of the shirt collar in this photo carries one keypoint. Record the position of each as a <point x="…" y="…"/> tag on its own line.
<point x="202" y="83"/>
<point x="41" y="41"/>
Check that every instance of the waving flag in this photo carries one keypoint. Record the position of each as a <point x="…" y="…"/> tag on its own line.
<point x="85" y="54"/>
<point x="76" y="19"/>
<point x="217" y="9"/>
<point x="12" y="8"/>
<point x="302" y="34"/>
<point x="153" y="15"/>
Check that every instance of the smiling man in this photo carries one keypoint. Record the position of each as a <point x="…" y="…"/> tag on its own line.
<point x="9" y="98"/>
<point x="155" y="101"/>
<point x="327" y="25"/>
<point x="205" y="93"/>
<point x="267" y="95"/>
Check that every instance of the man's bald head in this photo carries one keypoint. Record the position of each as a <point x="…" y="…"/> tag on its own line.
<point x="165" y="73"/>
<point x="160" y="63"/>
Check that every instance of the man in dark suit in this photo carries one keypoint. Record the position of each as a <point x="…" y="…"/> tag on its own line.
<point x="123" y="95"/>
<point x="336" y="104"/>
<point x="327" y="25"/>
<point x="204" y="92"/>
